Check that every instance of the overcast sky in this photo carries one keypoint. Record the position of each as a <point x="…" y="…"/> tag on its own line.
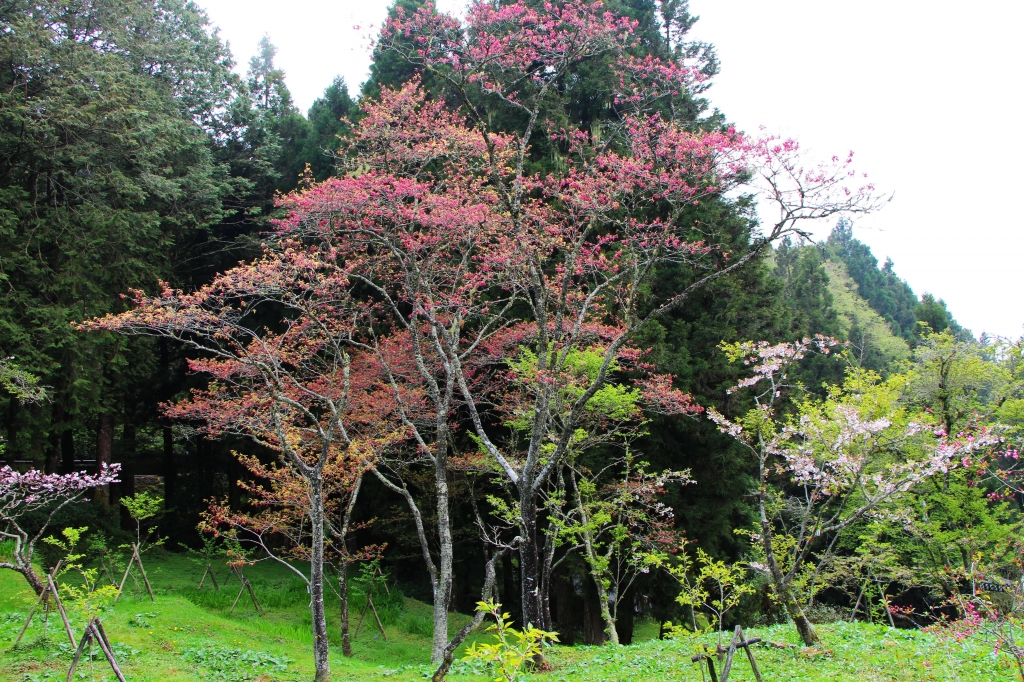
<point x="927" y="94"/>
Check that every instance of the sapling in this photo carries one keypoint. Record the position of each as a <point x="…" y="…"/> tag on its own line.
<point x="142" y="506"/>
<point x="512" y="649"/>
<point x="86" y="596"/>
<point x="205" y="556"/>
<point x="712" y="586"/>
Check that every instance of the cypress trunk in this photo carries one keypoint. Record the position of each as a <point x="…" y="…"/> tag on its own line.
<point x="104" y="448"/>
<point x="170" y="471"/>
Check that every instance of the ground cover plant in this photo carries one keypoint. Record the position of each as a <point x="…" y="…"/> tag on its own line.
<point x="187" y="635"/>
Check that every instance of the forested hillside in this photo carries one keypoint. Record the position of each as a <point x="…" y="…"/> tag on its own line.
<point x="504" y="323"/>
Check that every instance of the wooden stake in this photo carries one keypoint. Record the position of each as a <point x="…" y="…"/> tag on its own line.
<point x="369" y="600"/>
<point x="208" y="572"/>
<point x="50" y="589"/>
<point x="60" y="608"/>
<point x="127" y="570"/>
<point x="366" y="607"/>
<point x="145" y="578"/>
<point x="739" y="641"/>
<point x="31" y="613"/>
<point x="86" y="638"/>
<point x="94" y="630"/>
<point x="108" y="651"/>
<point x="246" y="585"/>
<point x="737" y="637"/>
<point x="136" y="560"/>
<point x="753" y="663"/>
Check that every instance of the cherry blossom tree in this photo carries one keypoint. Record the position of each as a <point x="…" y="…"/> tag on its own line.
<point x="567" y="259"/>
<point x="843" y="457"/>
<point x="280" y="340"/>
<point x="34" y="492"/>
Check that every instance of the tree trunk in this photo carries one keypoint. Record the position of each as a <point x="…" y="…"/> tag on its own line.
<point x="342" y="537"/>
<point x="11" y="446"/>
<point x="779" y="581"/>
<point x="321" y="659"/>
<point x="593" y="561"/>
<point x="104" y="447"/>
<point x="127" y="477"/>
<point x="567" y="613"/>
<point x="529" y="562"/>
<point x="67" y="451"/>
<point x="625" y="615"/>
<point x="53" y="444"/>
<point x="806" y="629"/>
<point x="346" y="641"/>
<point x="443" y="588"/>
<point x="33" y="580"/>
<point x="509" y="597"/>
<point x="170" y="471"/>
<point x="545" y="584"/>
<point x="603" y="599"/>
<point x="593" y="625"/>
<point x="490" y="579"/>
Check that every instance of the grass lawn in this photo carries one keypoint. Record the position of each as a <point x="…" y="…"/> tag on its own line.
<point x="188" y="635"/>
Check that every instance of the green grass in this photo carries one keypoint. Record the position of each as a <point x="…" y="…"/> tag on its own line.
<point x="188" y="635"/>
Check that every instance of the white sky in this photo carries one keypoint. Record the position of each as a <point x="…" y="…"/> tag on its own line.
<point x="926" y="93"/>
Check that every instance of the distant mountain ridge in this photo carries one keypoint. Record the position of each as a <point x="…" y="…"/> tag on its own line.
<point x="886" y="293"/>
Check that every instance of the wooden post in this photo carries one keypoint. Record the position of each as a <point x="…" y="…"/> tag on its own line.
<point x="94" y="630"/>
<point x="246" y="585"/>
<point x="60" y="608"/>
<point x="86" y="639"/>
<point x="145" y="578"/>
<point x="366" y="607"/>
<point x="134" y="560"/>
<point x="753" y="663"/>
<point x="50" y="589"/>
<point x="379" y="624"/>
<point x="739" y="641"/>
<point x="108" y="651"/>
<point x="127" y="570"/>
<point x="737" y="636"/>
<point x="208" y="572"/>
<point x="31" y="613"/>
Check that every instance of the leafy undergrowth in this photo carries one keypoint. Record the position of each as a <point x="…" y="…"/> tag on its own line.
<point x="847" y="652"/>
<point x="188" y="635"/>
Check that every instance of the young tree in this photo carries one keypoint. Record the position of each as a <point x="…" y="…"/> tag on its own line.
<point x="619" y="527"/>
<point x="841" y="458"/>
<point x="38" y="494"/>
<point x="280" y="509"/>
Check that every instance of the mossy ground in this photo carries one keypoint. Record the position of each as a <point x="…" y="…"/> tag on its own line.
<point x="188" y="635"/>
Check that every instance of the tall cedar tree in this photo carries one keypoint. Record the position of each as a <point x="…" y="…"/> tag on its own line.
<point x="107" y="165"/>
